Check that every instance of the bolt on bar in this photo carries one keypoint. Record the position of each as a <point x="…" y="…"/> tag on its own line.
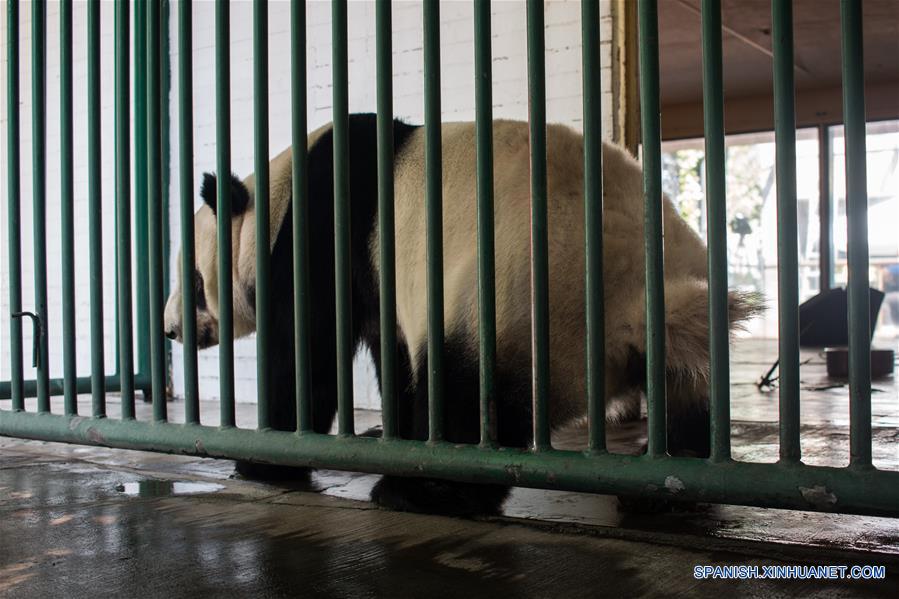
<point x="857" y="230"/>
<point x="39" y="193"/>
<point x="386" y="228"/>
<point x="596" y="403"/>
<point x="716" y="202"/>
<point x="223" y="209"/>
<point x="95" y="209"/>
<point x="787" y="248"/>
<point x="263" y="252"/>
<point x="434" y="210"/>
<point x="342" y="266"/>
<point x="154" y="194"/>
<point x="483" y="87"/>
<point x="302" y="297"/>
<point x="14" y="223"/>
<point x="123" y="208"/>
<point x="188" y="257"/>
<point x="141" y="217"/>
<point x="539" y="234"/>
<point x="648" y="23"/>
<point x="67" y="201"/>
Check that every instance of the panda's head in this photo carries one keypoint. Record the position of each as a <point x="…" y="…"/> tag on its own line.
<point x="206" y="276"/>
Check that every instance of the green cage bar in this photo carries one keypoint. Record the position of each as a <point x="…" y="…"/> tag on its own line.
<point x="825" y="209"/>
<point x="874" y="492"/>
<point x="342" y="266"/>
<point x="596" y="349"/>
<point x="14" y="219"/>
<point x="223" y="209"/>
<point x="787" y="246"/>
<point x="716" y="202"/>
<point x="302" y="297"/>
<point x="539" y="223"/>
<point x="483" y="89"/>
<point x="434" y="218"/>
<point x="123" y="208"/>
<point x="650" y="122"/>
<point x="263" y="254"/>
<point x="39" y="193"/>
<point x="386" y="228"/>
<point x="141" y="205"/>
<point x="95" y="209"/>
<point x="154" y="213"/>
<point x="67" y="217"/>
<point x="186" y="175"/>
<point x="857" y="240"/>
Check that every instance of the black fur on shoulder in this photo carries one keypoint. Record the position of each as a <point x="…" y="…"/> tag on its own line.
<point x="240" y="197"/>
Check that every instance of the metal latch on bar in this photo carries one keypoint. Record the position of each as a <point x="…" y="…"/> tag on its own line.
<point x="38" y="333"/>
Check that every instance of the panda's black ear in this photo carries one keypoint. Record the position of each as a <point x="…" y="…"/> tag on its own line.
<point x="240" y="197"/>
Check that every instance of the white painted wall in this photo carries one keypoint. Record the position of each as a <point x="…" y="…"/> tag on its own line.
<point x="563" y="67"/>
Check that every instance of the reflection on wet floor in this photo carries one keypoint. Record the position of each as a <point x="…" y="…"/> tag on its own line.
<point x="166" y="488"/>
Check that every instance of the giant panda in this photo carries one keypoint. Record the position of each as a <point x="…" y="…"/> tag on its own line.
<point x="686" y="292"/>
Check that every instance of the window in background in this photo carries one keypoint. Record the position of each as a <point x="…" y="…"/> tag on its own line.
<point x="751" y="210"/>
<point x="883" y="216"/>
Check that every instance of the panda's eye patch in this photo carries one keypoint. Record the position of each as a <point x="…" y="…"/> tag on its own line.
<point x="198" y="290"/>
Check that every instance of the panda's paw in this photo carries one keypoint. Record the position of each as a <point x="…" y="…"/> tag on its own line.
<point x="273" y="473"/>
<point x="433" y="496"/>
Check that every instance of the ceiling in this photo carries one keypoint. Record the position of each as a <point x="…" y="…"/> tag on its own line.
<point x="747" y="48"/>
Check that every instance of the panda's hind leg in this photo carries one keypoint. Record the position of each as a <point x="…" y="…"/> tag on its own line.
<point x="461" y="425"/>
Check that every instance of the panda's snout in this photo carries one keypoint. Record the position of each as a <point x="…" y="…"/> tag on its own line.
<point x="173" y="331"/>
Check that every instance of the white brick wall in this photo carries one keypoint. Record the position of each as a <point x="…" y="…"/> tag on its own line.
<point x="563" y="62"/>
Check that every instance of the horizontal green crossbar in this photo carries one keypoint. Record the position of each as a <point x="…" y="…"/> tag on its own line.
<point x="81" y="385"/>
<point x="797" y="486"/>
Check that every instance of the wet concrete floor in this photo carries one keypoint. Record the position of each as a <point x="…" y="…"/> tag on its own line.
<point x="79" y="522"/>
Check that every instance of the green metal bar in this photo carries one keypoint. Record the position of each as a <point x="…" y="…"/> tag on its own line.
<point x="141" y="208"/>
<point x="302" y="298"/>
<point x="716" y="201"/>
<point x="186" y="174"/>
<point x="825" y="210"/>
<point x="123" y="208"/>
<point x="648" y="23"/>
<point x="67" y="201"/>
<point x="14" y="222"/>
<point x="787" y="247"/>
<point x="154" y="213"/>
<point x="95" y="208"/>
<point x="857" y="232"/>
<point x="596" y="350"/>
<point x="483" y="89"/>
<point x="39" y="192"/>
<point x="386" y="229"/>
<point x="874" y="492"/>
<point x="342" y="253"/>
<point x="434" y="209"/>
<point x="539" y="225"/>
<point x="165" y="129"/>
<point x="223" y="211"/>
<point x="263" y="255"/>
<point x="58" y="387"/>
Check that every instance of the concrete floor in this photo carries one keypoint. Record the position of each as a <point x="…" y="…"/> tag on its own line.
<point x="78" y="521"/>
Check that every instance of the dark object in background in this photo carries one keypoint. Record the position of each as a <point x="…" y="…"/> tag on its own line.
<point x="824" y="321"/>
<point x="823" y="318"/>
<point x="838" y="362"/>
